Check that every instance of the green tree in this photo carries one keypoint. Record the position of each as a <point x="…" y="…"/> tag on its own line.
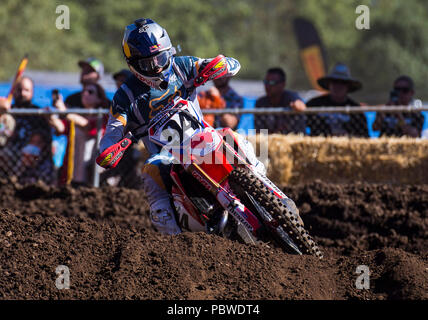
<point x="29" y="28"/>
<point x="258" y="33"/>
<point x="395" y="44"/>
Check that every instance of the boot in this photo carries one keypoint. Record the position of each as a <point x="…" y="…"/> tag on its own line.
<point x="163" y="219"/>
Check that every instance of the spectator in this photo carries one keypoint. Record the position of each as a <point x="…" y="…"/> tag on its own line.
<point x="27" y="125"/>
<point x="211" y="99"/>
<point x="7" y="122"/>
<point x="232" y="99"/>
<point x="7" y="127"/>
<point x="400" y="124"/>
<point x="121" y="76"/>
<point x="32" y="167"/>
<point x="276" y="97"/>
<point x="127" y="172"/>
<point x="79" y="160"/>
<point x="339" y="83"/>
<point x="91" y="72"/>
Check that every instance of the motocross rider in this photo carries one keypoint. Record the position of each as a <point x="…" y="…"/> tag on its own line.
<point x="158" y="77"/>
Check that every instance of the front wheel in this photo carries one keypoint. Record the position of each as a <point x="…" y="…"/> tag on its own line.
<point x="258" y="197"/>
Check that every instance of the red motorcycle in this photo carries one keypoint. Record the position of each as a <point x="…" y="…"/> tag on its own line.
<point x="216" y="187"/>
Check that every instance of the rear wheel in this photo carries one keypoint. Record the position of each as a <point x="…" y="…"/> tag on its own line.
<point x="249" y="189"/>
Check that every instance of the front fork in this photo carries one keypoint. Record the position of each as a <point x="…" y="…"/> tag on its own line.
<point x="247" y="222"/>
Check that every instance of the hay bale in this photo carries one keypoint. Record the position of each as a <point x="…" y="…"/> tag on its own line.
<point x="279" y="160"/>
<point x="340" y="159"/>
<point x="293" y="159"/>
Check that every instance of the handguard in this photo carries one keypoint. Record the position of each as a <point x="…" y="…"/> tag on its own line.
<point x="213" y="70"/>
<point x="111" y="156"/>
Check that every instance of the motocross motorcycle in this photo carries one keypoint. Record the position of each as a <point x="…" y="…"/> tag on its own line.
<point x="216" y="189"/>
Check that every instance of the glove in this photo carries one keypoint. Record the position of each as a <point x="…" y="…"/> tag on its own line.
<point x="111" y="156"/>
<point x="213" y="70"/>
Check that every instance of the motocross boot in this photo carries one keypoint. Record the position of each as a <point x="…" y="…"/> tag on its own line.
<point x="156" y="180"/>
<point x="162" y="216"/>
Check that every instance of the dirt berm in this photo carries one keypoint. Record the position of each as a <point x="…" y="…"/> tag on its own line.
<point x="104" y="237"/>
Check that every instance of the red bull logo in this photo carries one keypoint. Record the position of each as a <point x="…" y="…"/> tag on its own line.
<point x="155" y="48"/>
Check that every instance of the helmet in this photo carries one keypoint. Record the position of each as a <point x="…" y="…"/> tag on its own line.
<point x="148" y="49"/>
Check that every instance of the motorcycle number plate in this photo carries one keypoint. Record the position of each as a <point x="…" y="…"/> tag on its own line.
<point x="174" y="129"/>
<point x="179" y="132"/>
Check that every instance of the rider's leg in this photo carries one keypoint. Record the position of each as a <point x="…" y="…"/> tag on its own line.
<point x="157" y="183"/>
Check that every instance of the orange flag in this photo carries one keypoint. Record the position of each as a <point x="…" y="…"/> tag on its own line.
<point x="18" y="75"/>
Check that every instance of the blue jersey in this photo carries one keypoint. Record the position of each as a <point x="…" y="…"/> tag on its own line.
<point x="135" y="103"/>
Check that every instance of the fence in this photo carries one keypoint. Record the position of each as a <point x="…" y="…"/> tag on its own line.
<point x="31" y="150"/>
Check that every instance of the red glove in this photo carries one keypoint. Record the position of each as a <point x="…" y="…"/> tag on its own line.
<point x="111" y="156"/>
<point x="213" y="70"/>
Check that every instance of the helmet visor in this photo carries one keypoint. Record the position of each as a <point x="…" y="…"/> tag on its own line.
<point x="152" y="64"/>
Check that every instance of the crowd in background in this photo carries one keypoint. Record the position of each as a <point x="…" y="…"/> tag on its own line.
<point x="338" y="84"/>
<point x="26" y="141"/>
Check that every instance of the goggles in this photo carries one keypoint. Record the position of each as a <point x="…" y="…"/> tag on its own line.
<point x="151" y="64"/>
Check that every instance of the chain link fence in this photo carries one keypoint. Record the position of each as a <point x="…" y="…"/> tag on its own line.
<point x="32" y="149"/>
<point x="41" y="144"/>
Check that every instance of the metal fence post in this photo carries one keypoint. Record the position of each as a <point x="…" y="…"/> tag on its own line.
<point x="10" y="169"/>
<point x="96" y="181"/>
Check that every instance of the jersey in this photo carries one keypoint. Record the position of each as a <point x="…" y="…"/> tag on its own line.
<point x="135" y="104"/>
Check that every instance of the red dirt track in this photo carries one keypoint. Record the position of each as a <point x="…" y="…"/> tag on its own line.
<point x="104" y="237"/>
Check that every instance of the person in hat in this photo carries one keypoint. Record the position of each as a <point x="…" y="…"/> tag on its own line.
<point x="339" y="84"/>
<point x="400" y="124"/>
<point x="121" y="76"/>
<point x="92" y="71"/>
